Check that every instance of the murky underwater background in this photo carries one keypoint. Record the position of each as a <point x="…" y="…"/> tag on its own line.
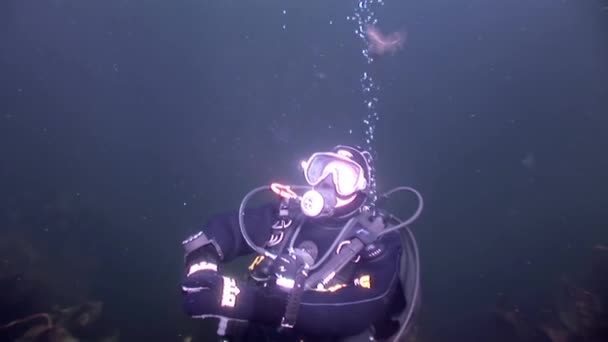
<point x="125" y="124"/>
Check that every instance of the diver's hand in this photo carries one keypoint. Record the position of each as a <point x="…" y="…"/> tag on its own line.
<point x="208" y="295"/>
<point x="201" y="275"/>
<point x="232" y="299"/>
<point x="201" y="269"/>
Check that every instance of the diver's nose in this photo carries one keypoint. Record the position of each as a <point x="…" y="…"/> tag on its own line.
<point x="327" y="183"/>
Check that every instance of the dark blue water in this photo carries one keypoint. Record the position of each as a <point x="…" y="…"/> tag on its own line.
<point x="124" y="125"/>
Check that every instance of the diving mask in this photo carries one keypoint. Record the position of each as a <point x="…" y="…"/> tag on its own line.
<point x="348" y="177"/>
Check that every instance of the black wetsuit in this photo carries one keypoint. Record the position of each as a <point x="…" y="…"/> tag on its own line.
<point x="366" y="293"/>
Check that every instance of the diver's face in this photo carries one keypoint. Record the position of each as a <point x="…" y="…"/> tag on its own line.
<point x="328" y="189"/>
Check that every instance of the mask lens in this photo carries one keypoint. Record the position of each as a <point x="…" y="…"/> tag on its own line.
<point x="345" y="176"/>
<point x="315" y="169"/>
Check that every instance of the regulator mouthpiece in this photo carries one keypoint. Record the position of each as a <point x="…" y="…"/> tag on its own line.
<point x="312" y="203"/>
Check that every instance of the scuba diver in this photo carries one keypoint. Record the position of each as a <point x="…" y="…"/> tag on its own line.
<point x="328" y="263"/>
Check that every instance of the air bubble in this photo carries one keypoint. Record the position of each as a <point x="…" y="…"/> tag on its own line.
<point x="365" y="14"/>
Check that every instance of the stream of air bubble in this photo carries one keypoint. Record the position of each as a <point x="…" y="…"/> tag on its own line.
<point x="364" y="16"/>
